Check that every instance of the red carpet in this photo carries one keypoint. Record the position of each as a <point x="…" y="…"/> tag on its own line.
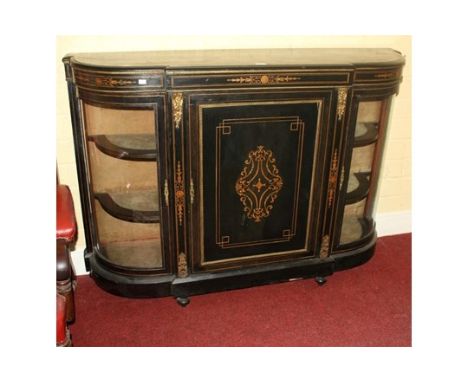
<point x="366" y="306"/>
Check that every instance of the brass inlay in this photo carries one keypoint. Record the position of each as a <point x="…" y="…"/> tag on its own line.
<point x="182" y="265"/>
<point x="106" y="81"/>
<point x="179" y="193"/>
<point x="103" y="81"/>
<point x="386" y="75"/>
<point x="258" y="202"/>
<point x="112" y="82"/>
<point x="341" y="106"/>
<point x="263" y="79"/>
<point x="166" y="193"/>
<point x="177" y="104"/>
<point x="325" y="246"/>
<point x="192" y="191"/>
<point x="287" y="233"/>
<point x="333" y="178"/>
<point x="305" y="76"/>
<point x="259" y="185"/>
<point x="296" y="125"/>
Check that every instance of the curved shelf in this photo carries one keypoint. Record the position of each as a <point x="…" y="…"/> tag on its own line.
<point x="365" y="134"/>
<point x="136" y="206"/>
<point x="354" y="229"/>
<point x="138" y="147"/>
<point x="142" y="254"/>
<point x="358" y="187"/>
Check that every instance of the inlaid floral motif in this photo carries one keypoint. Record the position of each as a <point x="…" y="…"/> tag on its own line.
<point x="259" y="184"/>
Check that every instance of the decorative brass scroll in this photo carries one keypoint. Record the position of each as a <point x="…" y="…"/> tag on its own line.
<point x="182" y="265"/>
<point x="386" y="75"/>
<point x="333" y="178"/>
<point x="325" y="246"/>
<point x="177" y="104"/>
<point x="179" y="193"/>
<point x="100" y="81"/>
<point x="341" y="106"/>
<point x="259" y="184"/>
<point x="103" y="81"/>
<point x="263" y="79"/>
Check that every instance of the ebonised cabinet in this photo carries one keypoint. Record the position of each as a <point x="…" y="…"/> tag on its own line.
<point x="202" y="171"/>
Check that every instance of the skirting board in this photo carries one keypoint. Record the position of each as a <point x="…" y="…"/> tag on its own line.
<point x="392" y="223"/>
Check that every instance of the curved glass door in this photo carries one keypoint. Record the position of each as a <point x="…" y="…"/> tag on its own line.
<point x="123" y="162"/>
<point x="358" y="222"/>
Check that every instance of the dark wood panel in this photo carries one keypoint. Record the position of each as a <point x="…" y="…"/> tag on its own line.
<point x="258" y="78"/>
<point x="261" y="164"/>
<point x="119" y="80"/>
<point x="232" y="127"/>
<point x="259" y="275"/>
<point x="378" y="75"/>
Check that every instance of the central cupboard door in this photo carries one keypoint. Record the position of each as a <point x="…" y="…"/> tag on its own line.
<point x="256" y="164"/>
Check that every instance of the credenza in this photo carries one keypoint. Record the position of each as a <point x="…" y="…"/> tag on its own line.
<point x="211" y="170"/>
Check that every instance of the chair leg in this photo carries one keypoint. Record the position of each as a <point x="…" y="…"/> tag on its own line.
<point x="63" y="333"/>
<point x="66" y="278"/>
<point x="65" y="289"/>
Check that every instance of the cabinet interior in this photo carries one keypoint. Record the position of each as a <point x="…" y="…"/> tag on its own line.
<point x="357" y="223"/>
<point x="123" y="163"/>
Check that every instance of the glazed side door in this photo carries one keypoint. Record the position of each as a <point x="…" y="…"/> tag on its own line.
<point x="127" y="171"/>
<point x="363" y="152"/>
<point x="257" y="162"/>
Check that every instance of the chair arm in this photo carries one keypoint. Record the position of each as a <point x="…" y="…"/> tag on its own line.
<point x="66" y="223"/>
<point x="64" y="268"/>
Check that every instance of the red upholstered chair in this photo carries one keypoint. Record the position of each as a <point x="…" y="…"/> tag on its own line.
<point x="66" y="235"/>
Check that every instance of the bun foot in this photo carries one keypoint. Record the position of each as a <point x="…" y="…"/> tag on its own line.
<point x="320" y="280"/>
<point x="183" y="301"/>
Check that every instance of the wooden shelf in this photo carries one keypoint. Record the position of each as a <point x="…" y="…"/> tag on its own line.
<point x="138" y="147"/>
<point x="354" y="229"/>
<point x="365" y="134"/>
<point x="135" y="206"/>
<point x="144" y="254"/>
<point x="358" y="187"/>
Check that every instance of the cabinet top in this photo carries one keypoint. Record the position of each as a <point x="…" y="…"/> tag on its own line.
<point x="244" y="58"/>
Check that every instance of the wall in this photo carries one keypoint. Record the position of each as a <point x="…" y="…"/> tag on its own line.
<point x="394" y="205"/>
